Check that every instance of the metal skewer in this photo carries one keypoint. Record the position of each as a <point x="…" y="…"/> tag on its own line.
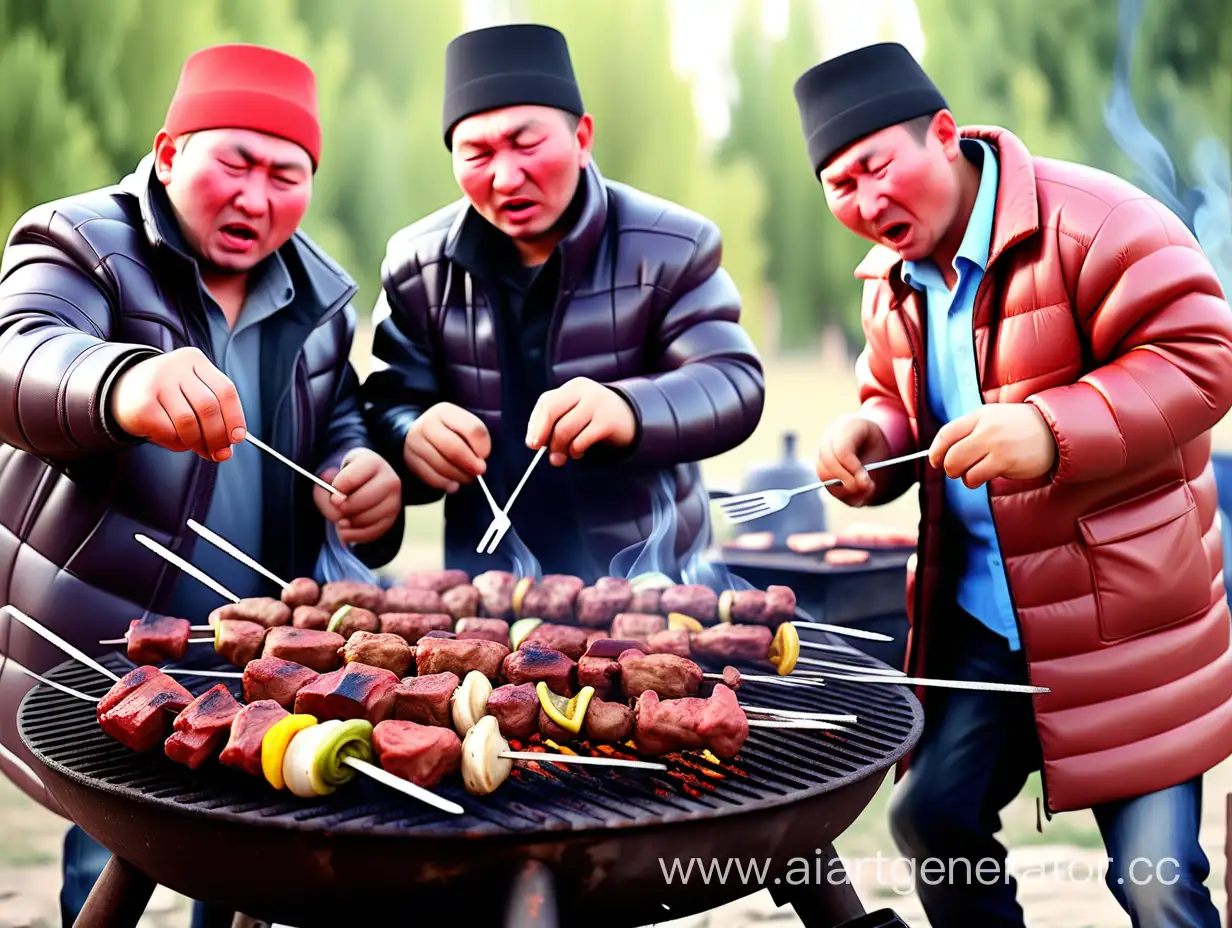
<point x="219" y="542"/>
<point x="124" y="640"/>
<point x="844" y="630"/>
<point x="291" y="464"/>
<point x="59" y="642"/>
<point x="52" y="683"/>
<point x="944" y="684"/>
<point x="853" y="668"/>
<point x="579" y="759"/>
<point x="192" y="571"/>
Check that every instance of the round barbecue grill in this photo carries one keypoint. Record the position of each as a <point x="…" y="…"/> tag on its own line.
<point x="554" y="845"/>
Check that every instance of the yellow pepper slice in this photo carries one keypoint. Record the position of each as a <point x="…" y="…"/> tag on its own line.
<point x="785" y="649"/>
<point x="676" y="620"/>
<point x="726" y="599"/>
<point x="274" y="745"/>
<point x="335" y="620"/>
<point x="520" y="629"/>
<point x="567" y="713"/>
<point x="519" y="594"/>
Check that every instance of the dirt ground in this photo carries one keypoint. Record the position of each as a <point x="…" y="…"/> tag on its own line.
<point x="1063" y="888"/>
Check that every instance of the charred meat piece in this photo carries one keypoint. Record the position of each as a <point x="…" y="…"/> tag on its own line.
<point x="302" y="591"/>
<point x="351" y="593"/>
<point x="534" y="662"/>
<point x="569" y="640"/>
<point x="516" y="707"/>
<point x="731" y="677"/>
<point x="239" y="641"/>
<point x="691" y="599"/>
<point x="407" y="600"/>
<point x="378" y="650"/>
<point x="492" y="629"/>
<point x="426" y="700"/>
<point x="608" y="721"/>
<point x="638" y="626"/>
<point x="670" y="676"/>
<point x="157" y="638"/>
<point x="495" y="593"/>
<point x="645" y="601"/>
<point x="411" y="626"/>
<point x="310" y="617"/>
<point x="459" y="656"/>
<point x="202" y="727"/>
<point x="603" y="673"/>
<point x="248" y="728"/>
<point x="550" y="598"/>
<point x="597" y="605"/>
<point x="666" y="726"/>
<point x="422" y="754"/>
<point x="754" y="607"/>
<point x="354" y="619"/>
<point x="136" y="711"/>
<point x="356" y="691"/>
<point x="461" y="601"/>
<point x="733" y="642"/>
<point x="264" y="610"/>
<point x="438" y="581"/>
<point x="672" y="641"/>
<point x="780" y="605"/>
<point x="312" y="648"/>
<point x="272" y="678"/>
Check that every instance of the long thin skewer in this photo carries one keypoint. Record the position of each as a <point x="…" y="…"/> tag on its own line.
<point x="844" y="630"/>
<point x="291" y="464"/>
<point x="219" y="542"/>
<point x="124" y="640"/>
<point x="52" y="683"/>
<point x="196" y="573"/>
<point x="852" y="668"/>
<point x="59" y="642"/>
<point x="944" y="684"/>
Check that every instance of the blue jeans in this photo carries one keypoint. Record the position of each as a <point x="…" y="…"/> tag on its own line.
<point x="974" y="757"/>
<point x="84" y="860"/>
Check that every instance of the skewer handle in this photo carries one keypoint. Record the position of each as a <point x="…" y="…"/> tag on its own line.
<point x="851" y="668"/>
<point x="404" y="786"/>
<point x="52" y="683"/>
<point x="944" y="684"/>
<point x="295" y="467"/>
<point x="844" y="630"/>
<point x="60" y="643"/>
<point x="192" y="571"/>
<point x="219" y="542"/>
<point x="807" y="724"/>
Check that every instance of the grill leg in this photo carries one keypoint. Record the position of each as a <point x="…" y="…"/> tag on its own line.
<point x="828" y="904"/>
<point x="118" y="899"/>
<point x="532" y="898"/>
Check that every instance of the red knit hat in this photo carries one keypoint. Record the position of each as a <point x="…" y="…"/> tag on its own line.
<point x="247" y="87"/>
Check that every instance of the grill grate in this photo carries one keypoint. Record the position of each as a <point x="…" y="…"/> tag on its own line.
<point x="775" y="766"/>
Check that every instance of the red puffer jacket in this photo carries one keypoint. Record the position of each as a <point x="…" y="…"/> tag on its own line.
<point x="1099" y="308"/>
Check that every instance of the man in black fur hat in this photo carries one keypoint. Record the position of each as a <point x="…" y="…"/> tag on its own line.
<point x="553" y="308"/>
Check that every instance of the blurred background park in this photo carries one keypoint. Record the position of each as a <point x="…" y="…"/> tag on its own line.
<point x="693" y="102"/>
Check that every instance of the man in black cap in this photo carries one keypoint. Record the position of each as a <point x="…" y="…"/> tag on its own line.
<point x="553" y="308"/>
<point x="1060" y="344"/>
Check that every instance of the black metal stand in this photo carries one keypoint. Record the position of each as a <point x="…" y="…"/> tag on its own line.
<point x="828" y="900"/>
<point x="532" y="898"/>
<point x="118" y="899"/>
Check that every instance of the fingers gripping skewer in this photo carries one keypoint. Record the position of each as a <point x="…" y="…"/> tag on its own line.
<point x="219" y="542"/>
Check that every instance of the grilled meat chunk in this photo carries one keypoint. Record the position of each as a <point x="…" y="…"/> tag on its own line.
<point x="355" y="619"/>
<point x="422" y="754"/>
<point x="551" y="598"/>
<point x="240" y="641"/>
<point x="669" y="675"/>
<point x="411" y="626"/>
<point x="312" y="648"/>
<point x="607" y="721"/>
<point x="691" y="599"/>
<point x="135" y="710"/>
<point x="459" y="656"/>
<point x="355" y="691"/>
<point x="408" y="600"/>
<point x="603" y="673"/>
<point x="351" y="593"/>
<point x="733" y="642"/>
<point x="496" y="593"/>
<point x="156" y="638"/>
<point x="202" y="726"/>
<point x="438" y="581"/>
<point x="569" y="640"/>
<point x="597" y="605"/>
<point x="638" y="626"/>
<point x="263" y="610"/>
<point x="666" y="726"/>
<point x="426" y="700"/>
<point x="670" y="641"/>
<point x="248" y="728"/>
<point x="272" y="678"/>
<point x="645" y="602"/>
<point x="777" y="604"/>
<point x="302" y="591"/>
<point x="534" y="662"/>
<point x="310" y="617"/>
<point x="378" y="650"/>
<point x="516" y="707"/>
<point x="492" y="629"/>
<point x="461" y="601"/>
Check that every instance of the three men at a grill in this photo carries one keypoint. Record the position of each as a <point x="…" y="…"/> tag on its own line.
<point x="1054" y="336"/>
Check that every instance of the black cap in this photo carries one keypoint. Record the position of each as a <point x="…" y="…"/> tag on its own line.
<point x="864" y="91"/>
<point x="512" y="65"/>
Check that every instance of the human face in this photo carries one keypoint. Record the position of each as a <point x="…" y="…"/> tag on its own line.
<point x="896" y="190"/>
<point x="520" y="167"/>
<point x="238" y="195"/>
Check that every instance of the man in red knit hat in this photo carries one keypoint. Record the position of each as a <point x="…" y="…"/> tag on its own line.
<point x="177" y="311"/>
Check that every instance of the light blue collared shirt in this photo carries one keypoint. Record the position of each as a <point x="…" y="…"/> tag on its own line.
<point x="954" y="391"/>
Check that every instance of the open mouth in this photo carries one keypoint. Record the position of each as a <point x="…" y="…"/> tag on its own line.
<point x="896" y="233"/>
<point x="518" y="206"/>
<point x="244" y="233"/>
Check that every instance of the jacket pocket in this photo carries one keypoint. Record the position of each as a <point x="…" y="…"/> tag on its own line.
<point x="1148" y="564"/>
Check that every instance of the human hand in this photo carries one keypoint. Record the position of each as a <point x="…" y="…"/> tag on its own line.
<point x="1009" y="440"/>
<point x="447" y="447"/>
<point x="370" y="500"/>
<point x="578" y="415"/>
<point x="180" y="401"/>
<point x="846" y="446"/>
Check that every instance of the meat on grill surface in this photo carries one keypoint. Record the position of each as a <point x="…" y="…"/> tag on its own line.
<point x="731" y="677"/>
<point x="264" y="610"/>
<point x="426" y="699"/>
<point x="423" y="754"/>
<point x="411" y="626"/>
<point x="202" y="726"/>
<point x="551" y="598"/>
<point x="780" y="605"/>
<point x="638" y="626"/>
<point x="516" y="708"/>
<point x="603" y="673"/>
<point x="302" y="591"/>
<point x="248" y="728"/>
<point x="534" y="662"/>
<point x="461" y="601"/>
<point x="240" y="641"/>
<point x="355" y="691"/>
<point x="357" y="620"/>
<point x="157" y="638"/>
<point x="492" y="629"/>
<point x="777" y="604"/>
<point x="608" y="721"/>
<point x="669" y="641"/>
<point x="691" y="599"/>
<point x="733" y="642"/>
<point x="569" y="640"/>
<point x="596" y="634"/>
<point x="438" y="581"/>
<point x="378" y="650"/>
<point x="459" y="656"/>
<point x="272" y="678"/>
<point x="668" y="675"/>
<point x="612" y="647"/>
<point x="597" y="605"/>
<point x="645" y="601"/>
<point x="550" y="730"/>
<point x="310" y="617"/>
<point x="136" y="711"/>
<point x="351" y="593"/>
<point x="406" y="599"/>
<point x="666" y="726"/>
<point x="495" y="593"/>
<point x="307" y="646"/>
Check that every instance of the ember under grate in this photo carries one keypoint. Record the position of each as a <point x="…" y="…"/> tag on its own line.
<point x="774" y="767"/>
